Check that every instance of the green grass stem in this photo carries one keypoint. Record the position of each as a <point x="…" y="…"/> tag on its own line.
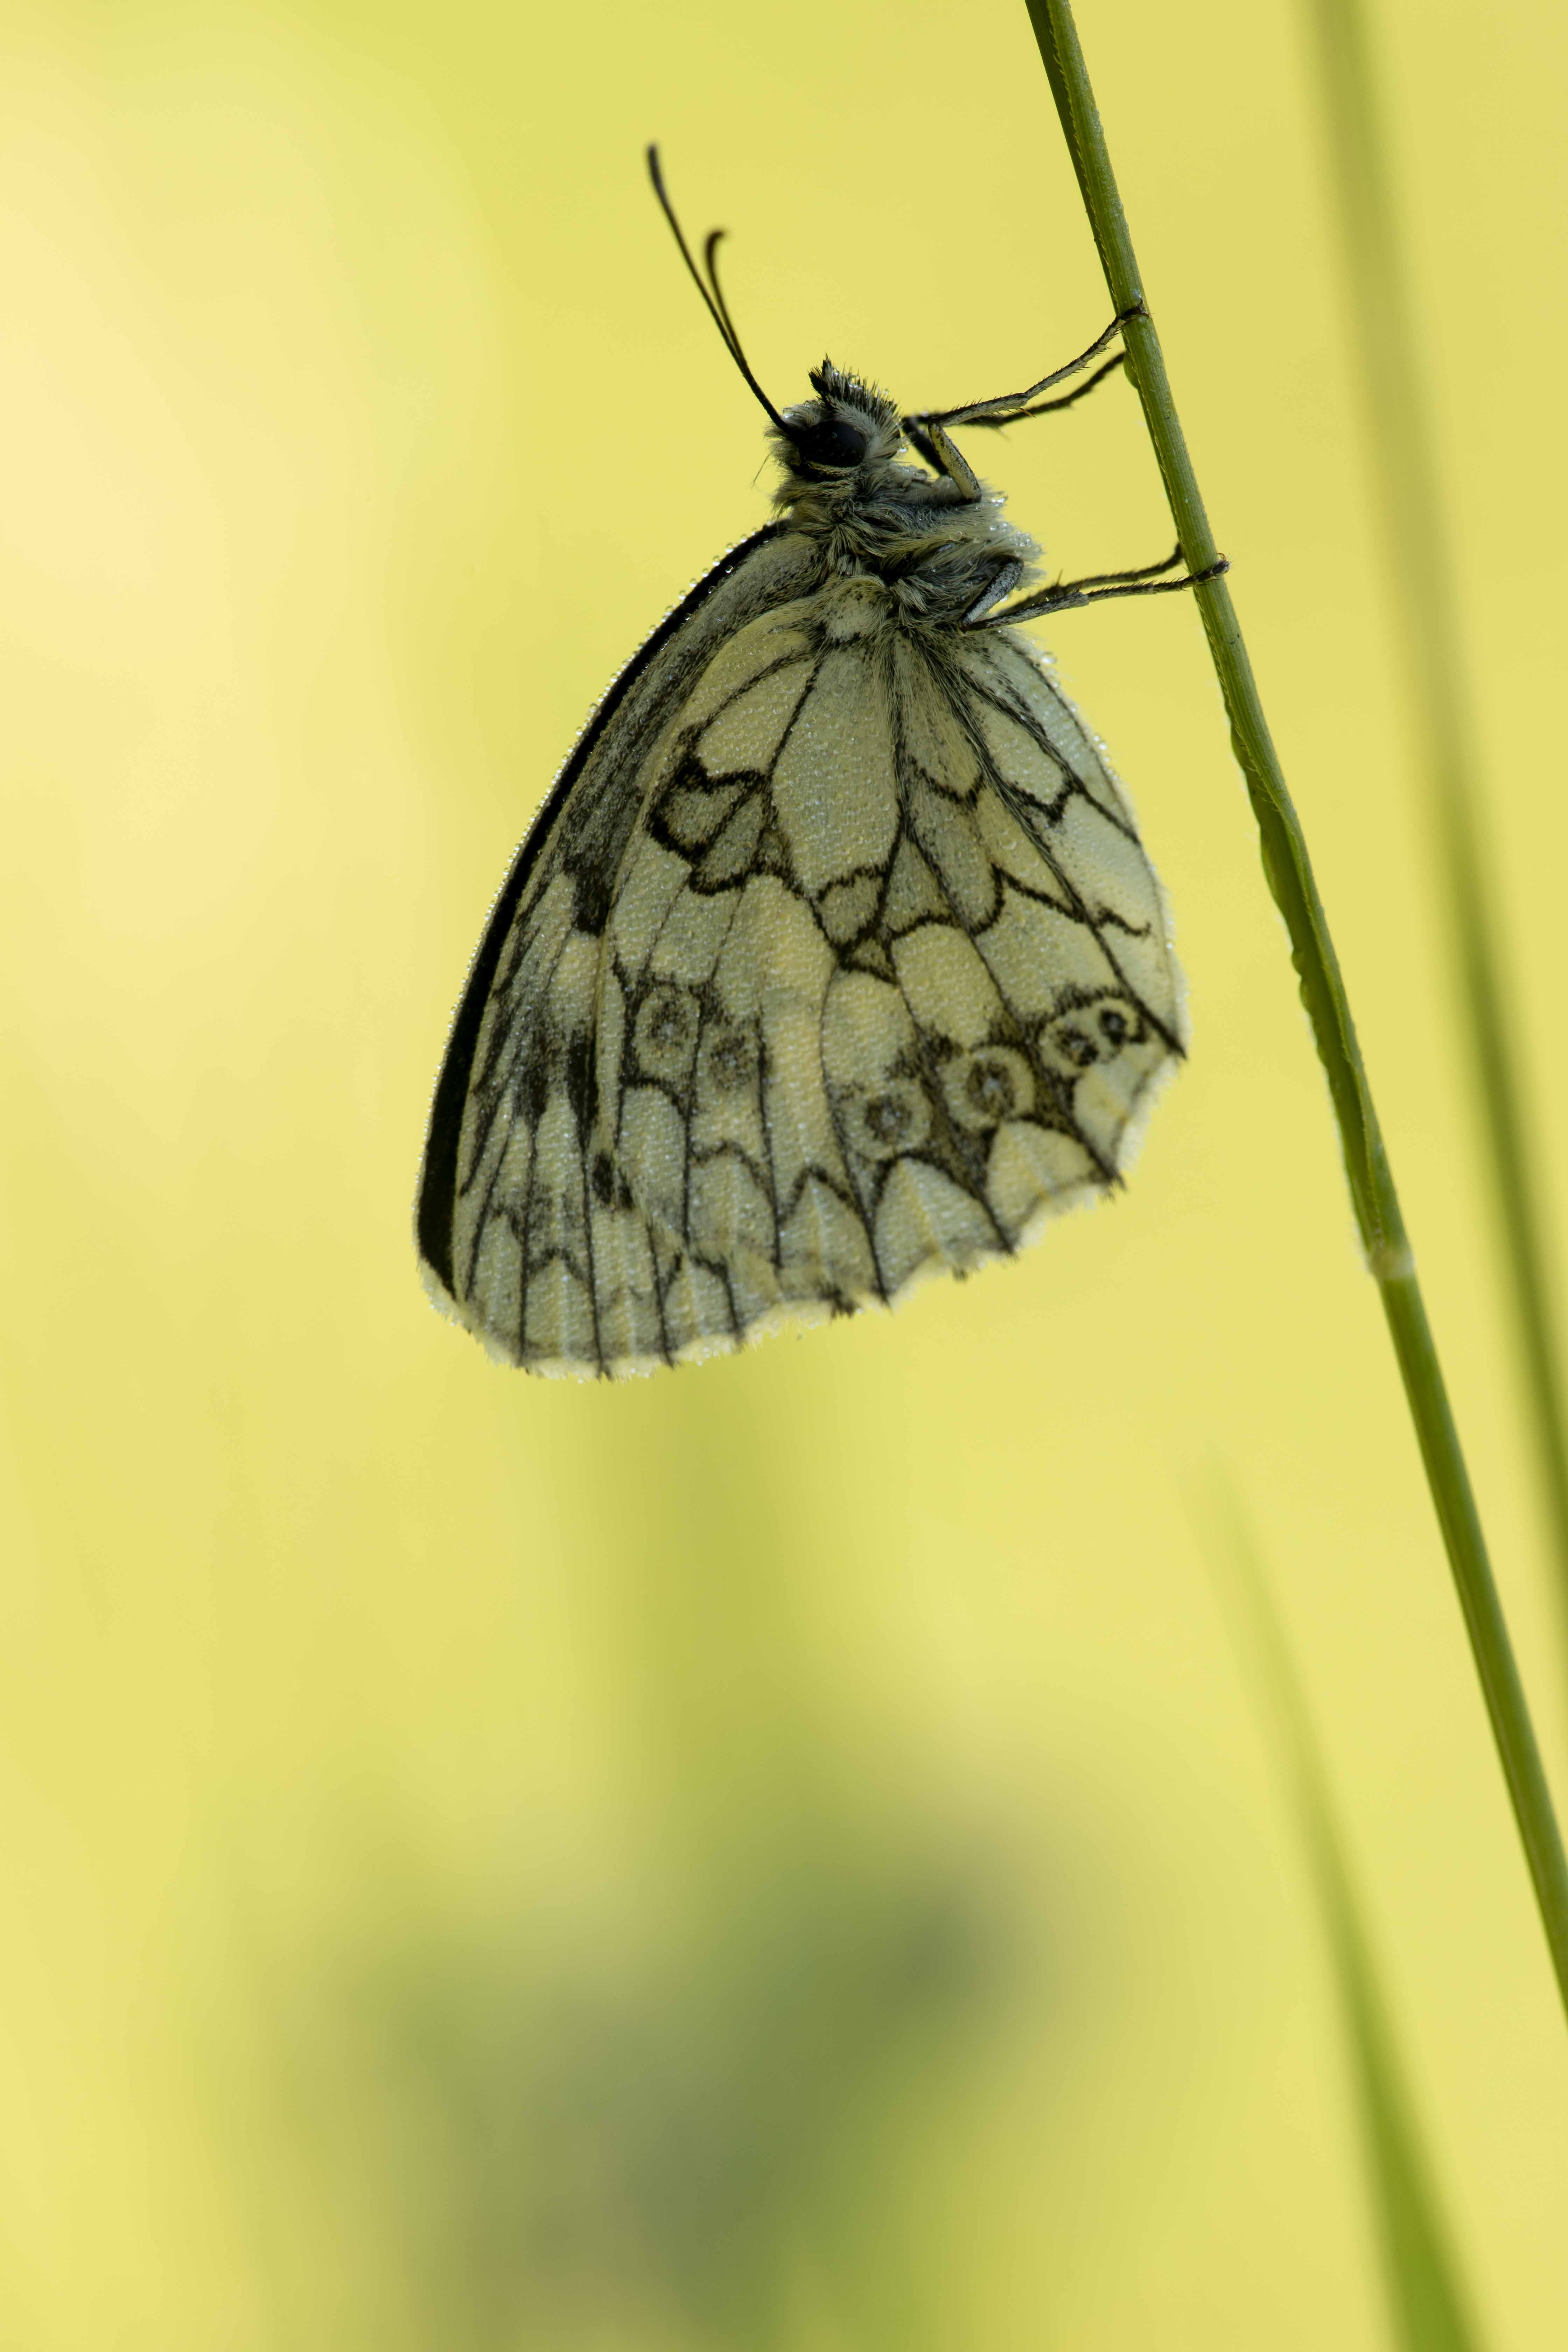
<point x="1289" y="874"/>
<point x="1426" y="603"/>
<point x="1426" y="2299"/>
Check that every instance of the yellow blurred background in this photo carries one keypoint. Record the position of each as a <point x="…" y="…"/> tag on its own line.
<point x="780" y="1856"/>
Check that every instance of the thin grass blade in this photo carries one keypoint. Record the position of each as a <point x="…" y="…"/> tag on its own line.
<point x="1427" y="2301"/>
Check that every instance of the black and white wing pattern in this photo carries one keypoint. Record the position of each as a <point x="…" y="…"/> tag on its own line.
<point x="834" y="961"/>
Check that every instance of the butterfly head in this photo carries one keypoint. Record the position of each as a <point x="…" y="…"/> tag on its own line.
<point x="849" y="429"/>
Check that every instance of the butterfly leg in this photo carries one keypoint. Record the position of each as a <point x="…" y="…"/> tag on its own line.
<point x="1145" y="572"/>
<point x="926" y="431"/>
<point x="1011" y="407"/>
<point x="1046" y="407"/>
<point x="1097" y="590"/>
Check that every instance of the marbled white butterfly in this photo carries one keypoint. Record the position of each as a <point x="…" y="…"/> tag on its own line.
<point x="834" y="958"/>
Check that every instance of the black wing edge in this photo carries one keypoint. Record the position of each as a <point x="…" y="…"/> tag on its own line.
<point x="438" y="1175"/>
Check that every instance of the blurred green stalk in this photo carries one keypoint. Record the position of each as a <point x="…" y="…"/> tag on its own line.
<point x="1289" y="874"/>
<point x="1425" y="604"/>
<point x="1420" y="2270"/>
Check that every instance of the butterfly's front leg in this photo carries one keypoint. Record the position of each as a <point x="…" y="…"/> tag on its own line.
<point x="1012" y="407"/>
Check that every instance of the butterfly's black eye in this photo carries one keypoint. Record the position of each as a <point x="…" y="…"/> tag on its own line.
<point x="832" y="442"/>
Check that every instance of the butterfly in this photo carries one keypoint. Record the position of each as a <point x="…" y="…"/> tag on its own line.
<point x="834" y="959"/>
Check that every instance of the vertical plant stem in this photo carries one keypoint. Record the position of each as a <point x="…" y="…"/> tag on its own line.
<point x="1421" y="563"/>
<point x="1289" y="874"/>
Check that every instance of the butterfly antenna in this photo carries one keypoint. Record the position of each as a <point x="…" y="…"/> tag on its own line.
<point x="712" y="293"/>
<point x="713" y="240"/>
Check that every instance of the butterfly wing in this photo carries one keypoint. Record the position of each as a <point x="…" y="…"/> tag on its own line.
<point x="883" y="980"/>
<point x="516" y="1038"/>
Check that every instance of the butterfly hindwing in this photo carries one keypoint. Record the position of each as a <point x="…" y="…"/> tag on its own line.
<point x="881" y="980"/>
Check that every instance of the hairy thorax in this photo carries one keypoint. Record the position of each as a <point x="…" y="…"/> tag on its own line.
<point x="937" y="552"/>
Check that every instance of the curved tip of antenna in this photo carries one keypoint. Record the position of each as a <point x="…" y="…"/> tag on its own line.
<point x="712" y="293"/>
